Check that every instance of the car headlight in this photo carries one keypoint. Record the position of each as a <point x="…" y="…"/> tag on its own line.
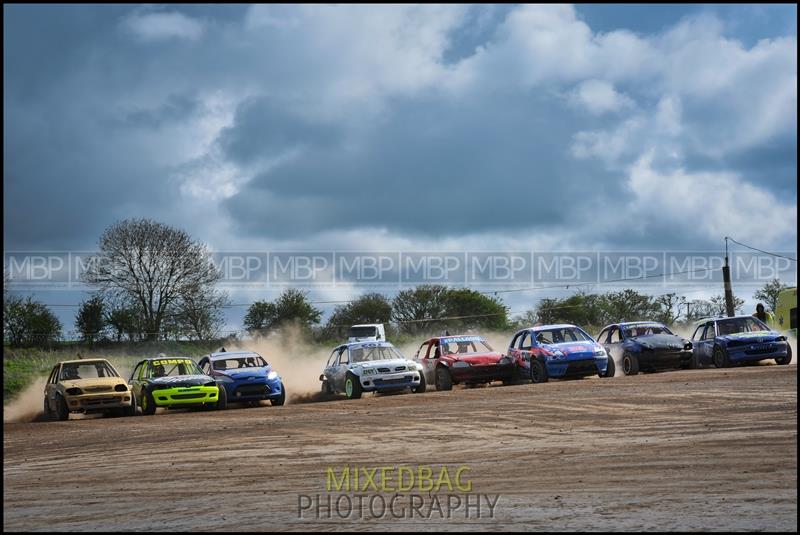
<point x="74" y="391"/>
<point x="556" y="355"/>
<point x="503" y="361"/>
<point x="272" y="374"/>
<point x="121" y="388"/>
<point x="461" y="364"/>
<point x="211" y="383"/>
<point x="368" y="371"/>
<point x="687" y="346"/>
<point x="600" y="353"/>
<point x="224" y="378"/>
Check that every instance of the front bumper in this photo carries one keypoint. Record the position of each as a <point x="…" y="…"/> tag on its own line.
<point x="254" y="390"/>
<point x="99" y="401"/>
<point x="390" y="381"/>
<point x="758" y="351"/>
<point x="576" y="368"/>
<point x="185" y="395"/>
<point x="481" y="373"/>
<point x="664" y="358"/>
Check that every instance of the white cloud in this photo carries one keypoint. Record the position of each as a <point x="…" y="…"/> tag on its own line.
<point x="599" y="97"/>
<point x="710" y="205"/>
<point x="161" y="26"/>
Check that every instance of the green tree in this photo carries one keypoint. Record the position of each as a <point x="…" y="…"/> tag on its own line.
<point x="368" y="308"/>
<point x="414" y="308"/>
<point x="474" y="310"/>
<point x="768" y="294"/>
<point x="29" y="323"/>
<point x="152" y="266"/>
<point x="125" y="321"/>
<point x="90" y="320"/>
<point x="292" y="306"/>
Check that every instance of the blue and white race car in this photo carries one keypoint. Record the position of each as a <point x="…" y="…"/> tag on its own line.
<point x="556" y="351"/>
<point x="369" y="366"/>
<point x="728" y="341"/>
<point x="246" y="377"/>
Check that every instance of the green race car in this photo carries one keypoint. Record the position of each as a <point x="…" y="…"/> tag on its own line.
<point x="174" y="382"/>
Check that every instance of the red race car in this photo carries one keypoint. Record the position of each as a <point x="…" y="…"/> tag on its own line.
<point x="449" y="360"/>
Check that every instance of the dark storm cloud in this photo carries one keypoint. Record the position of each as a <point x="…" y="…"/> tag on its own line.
<point x="430" y="167"/>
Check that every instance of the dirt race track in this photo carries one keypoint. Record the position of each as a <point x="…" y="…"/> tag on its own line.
<point x="699" y="449"/>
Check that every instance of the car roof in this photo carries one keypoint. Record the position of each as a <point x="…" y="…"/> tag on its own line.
<point x="629" y="323"/>
<point x="227" y="354"/>
<point x="476" y="336"/>
<point x="351" y="345"/>
<point x="83" y="361"/>
<point x="546" y="327"/>
<point x="150" y="359"/>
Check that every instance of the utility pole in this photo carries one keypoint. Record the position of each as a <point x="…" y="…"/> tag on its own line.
<point x="726" y="277"/>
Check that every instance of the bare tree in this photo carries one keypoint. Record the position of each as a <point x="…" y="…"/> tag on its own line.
<point x="151" y="265"/>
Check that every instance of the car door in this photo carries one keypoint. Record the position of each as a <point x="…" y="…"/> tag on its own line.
<point x="513" y="351"/>
<point x="135" y="381"/>
<point x="613" y="344"/>
<point x="421" y="357"/>
<point x="338" y="370"/>
<point x="705" y="344"/>
<point x="50" y="388"/>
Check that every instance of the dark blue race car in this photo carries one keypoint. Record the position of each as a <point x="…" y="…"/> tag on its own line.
<point x="724" y="342"/>
<point x="645" y="346"/>
<point x="246" y="377"/>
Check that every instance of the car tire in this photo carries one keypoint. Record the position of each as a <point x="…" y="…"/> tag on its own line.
<point x="62" y="412"/>
<point x="538" y="371"/>
<point x="611" y="367"/>
<point x="422" y="385"/>
<point x="444" y="381"/>
<point x="148" y="403"/>
<point x="787" y="359"/>
<point x="352" y="387"/>
<point x="720" y="358"/>
<point x="47" y="414"/>
<point x="630" y="364"/>
<point x="131" y="411"/>
<point x="222" y="399"/>
<point x="327" y="391"/>
<point x="277" y="402"/>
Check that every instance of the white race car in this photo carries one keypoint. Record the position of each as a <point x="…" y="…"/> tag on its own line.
<point x="370" y="366"/>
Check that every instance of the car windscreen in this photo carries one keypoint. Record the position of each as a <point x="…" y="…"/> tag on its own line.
<point x="561" y="335"/>
<point x="740" y="325"/>
<point x="173" y="368"/>
<point x="645" y="330"/>
<point x="464" y="345"/>
<point x="362" y="332"/>
<point x="253" y="361"/>
<point x="371" y="353"/>
<point x="88" y="370"/>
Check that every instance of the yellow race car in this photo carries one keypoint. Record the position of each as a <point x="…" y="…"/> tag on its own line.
<point x="87" y="386"/>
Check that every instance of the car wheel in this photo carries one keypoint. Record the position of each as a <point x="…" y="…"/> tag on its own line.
<point x="352" y="387"/>
<point x="277" y="402"/>
<point x="422" y="385"/>
<point x="148" y="403"/>
<point x="62" y="412"/>
<point x="222" y="399"/>
<point x="630" y="364"/>
<point x="783" y="361"/>
<point x="327" y="391"/>
<point x="444" y="381"/>
<point x="611" y="367"/>
<point x="721" y="359"/>
<point x="131" y="411"/>
<point x="47" y="414"/>
<point x="538" y="371"/>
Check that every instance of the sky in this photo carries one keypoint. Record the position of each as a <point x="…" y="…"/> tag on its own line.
<point x="402" y="128"/>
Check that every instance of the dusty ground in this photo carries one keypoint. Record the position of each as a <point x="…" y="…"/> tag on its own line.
<point x="704" y="449"/>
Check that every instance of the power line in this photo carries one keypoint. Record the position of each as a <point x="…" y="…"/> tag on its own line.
<point x="761" y="250"/>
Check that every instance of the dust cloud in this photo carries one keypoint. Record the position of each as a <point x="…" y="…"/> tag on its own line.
<point x="28" y="405"/>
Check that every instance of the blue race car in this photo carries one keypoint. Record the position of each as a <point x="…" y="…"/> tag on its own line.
<point x="728" y="341"/>
<point x="246" y="377"/>
<point x="644" y="345"/>
<point x="556" y="351"/>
